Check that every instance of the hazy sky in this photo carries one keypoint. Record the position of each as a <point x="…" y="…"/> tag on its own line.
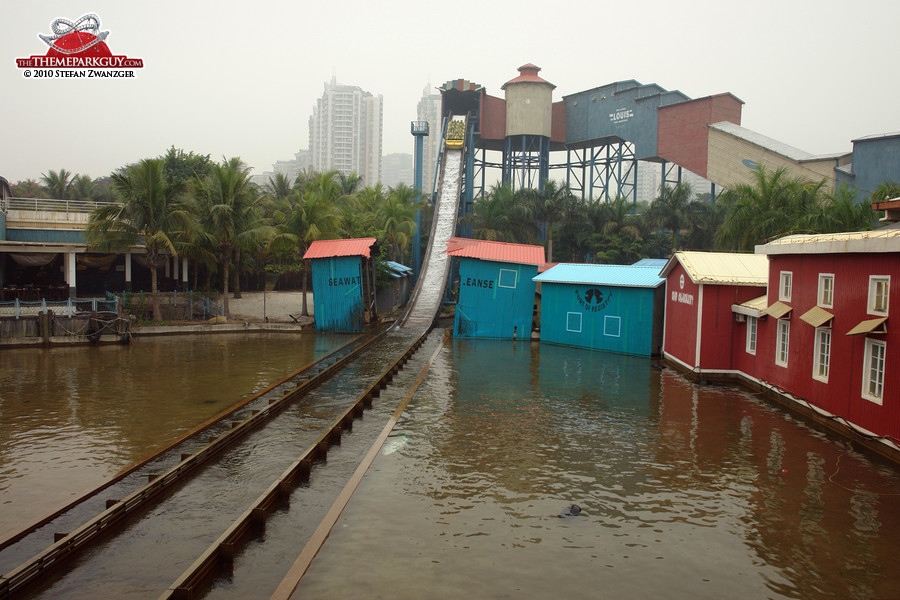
<point x="232" y="78"/>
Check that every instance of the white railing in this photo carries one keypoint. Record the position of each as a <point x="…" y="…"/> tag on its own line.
<point x="51" y="205"/>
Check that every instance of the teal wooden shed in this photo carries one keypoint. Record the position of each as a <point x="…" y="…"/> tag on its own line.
<point x="496" y="288"/>
<point x="343" y="282"/>
<point x="617" y="308"/>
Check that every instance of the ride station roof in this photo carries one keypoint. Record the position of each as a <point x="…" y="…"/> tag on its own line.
<point x="612" y="275"/>
<point x="332" y="248"/>
<point x="496" y="251"/>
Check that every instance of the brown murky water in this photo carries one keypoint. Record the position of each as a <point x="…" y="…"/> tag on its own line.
<point x="70" y="418"/>
<point x="685" y="491"/>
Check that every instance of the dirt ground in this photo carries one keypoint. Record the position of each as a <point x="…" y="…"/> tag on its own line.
<point x="277" y="307"/>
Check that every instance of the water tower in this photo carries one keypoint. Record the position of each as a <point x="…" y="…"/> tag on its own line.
<point x="529" y="111"/>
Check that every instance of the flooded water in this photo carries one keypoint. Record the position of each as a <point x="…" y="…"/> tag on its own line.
<point x="684" y="491"/>
<point x="70" y="418"/>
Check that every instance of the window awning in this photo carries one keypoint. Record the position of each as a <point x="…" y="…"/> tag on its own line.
<point x="778" y="310"/>
<point x="816" y="316"/>
<point x="751" y="308"/>
<point x="869" y="326"/>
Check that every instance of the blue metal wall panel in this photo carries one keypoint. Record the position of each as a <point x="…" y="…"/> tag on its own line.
<point x="337" y="294"/>
<point x="51" y="236"/>
<point x="875" y="161"/>
<point x="616" y="319"/>
<point x="625" y="110"/>
<point x="496" y="300"/>
<point x="2" y="226"/>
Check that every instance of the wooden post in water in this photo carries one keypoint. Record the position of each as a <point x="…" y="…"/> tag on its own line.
<point x="45" y="321"/>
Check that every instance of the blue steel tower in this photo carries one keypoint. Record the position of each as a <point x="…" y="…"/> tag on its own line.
<point x="420" y="130"/>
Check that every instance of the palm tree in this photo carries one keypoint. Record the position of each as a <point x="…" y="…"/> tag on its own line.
<point x="152" y="213"/>
<point x="397" y="218"/>
<point x="232" y="215"/>
<point x="502" y="215"/>
<point x="670" y="209"/>
<point x="771" y="207"/>
<point x="58" y="184"/>
<point x="82" y="187"/>
<point x="314" y="217"/>
<point x="349" y="183"/>
<point x="550" y="206"/>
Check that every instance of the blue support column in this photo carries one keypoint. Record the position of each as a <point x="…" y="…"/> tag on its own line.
<point x="419" y="129"/>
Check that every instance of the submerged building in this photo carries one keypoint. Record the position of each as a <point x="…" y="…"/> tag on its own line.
<point x="617" y="308"/>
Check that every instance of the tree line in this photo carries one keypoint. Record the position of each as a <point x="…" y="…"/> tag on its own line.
<point x="210" y="212"/>
<point x="187" y="205"/>
<point x="622" y="231"/>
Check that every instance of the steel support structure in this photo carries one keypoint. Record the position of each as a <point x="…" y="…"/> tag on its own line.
<point x="526" y="161"/>
<point x="603" y="171"/>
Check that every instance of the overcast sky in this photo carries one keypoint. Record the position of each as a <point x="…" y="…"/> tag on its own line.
<point x="229" y="78"/>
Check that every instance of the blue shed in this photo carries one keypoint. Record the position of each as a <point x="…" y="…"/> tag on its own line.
<point x="616" y="308"/>
<point x="343" y="284"/>
<point x="496" y="288"/>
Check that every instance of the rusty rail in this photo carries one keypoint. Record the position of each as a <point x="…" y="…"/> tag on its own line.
<point x="193" y="582"/>
<point x="69" y="545"/>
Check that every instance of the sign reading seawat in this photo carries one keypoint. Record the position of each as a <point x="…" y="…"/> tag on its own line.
<point x="337" y="281"/>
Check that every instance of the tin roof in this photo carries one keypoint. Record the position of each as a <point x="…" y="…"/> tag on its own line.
<point x="721" y="268"/>
<point x="886" y="239"/>
<point x="816" y="316"/>
<point x="496" y="251"/>
<point x="397" y="267"/>
<point x="331" y="248"/>
<point x="778" y="309"/>
<point x="614" y="275"/>
<point x="651" y="262"/>
<point x="868" y="326"/>
<point x="752" y="308"/>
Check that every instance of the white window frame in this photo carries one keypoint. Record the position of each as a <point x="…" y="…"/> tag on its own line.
<point x="570" y="324"/>
<point x="785" y="283"/>
<point x="873" y="374"/>
<point x="822" y="354"/>
<point x="750" y="346"/>
<point x="515" y="276"/>
<point x="782" y="342"/>
<point x="876" y="281"/>
<point x="821" y="296"/>
<point x="607" y="320"/>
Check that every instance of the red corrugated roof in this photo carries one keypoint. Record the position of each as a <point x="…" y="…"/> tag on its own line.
<point x="331" y="248"/>
<point x="497" y="251"/>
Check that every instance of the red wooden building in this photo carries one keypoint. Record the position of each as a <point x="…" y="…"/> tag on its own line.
<point x="701" y="287"/>
<point x="826" y="338"/>
<point x="814" y="332"/>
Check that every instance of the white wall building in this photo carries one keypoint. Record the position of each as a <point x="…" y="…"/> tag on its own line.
<point x="345" y="132"/>
<point x="429" y="109"/>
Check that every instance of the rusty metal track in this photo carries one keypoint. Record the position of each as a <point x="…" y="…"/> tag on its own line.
<point x="69" y="545"/>
<point x="195" y="579"/>
<point x="141" y="463"/>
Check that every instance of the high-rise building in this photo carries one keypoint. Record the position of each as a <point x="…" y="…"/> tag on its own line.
<point x="397" y="168"/>
<point x="429" y="109"/>
<point x="345" y="132"/>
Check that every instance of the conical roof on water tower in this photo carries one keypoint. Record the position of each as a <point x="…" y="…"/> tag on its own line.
<point x="529" y="103"/>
